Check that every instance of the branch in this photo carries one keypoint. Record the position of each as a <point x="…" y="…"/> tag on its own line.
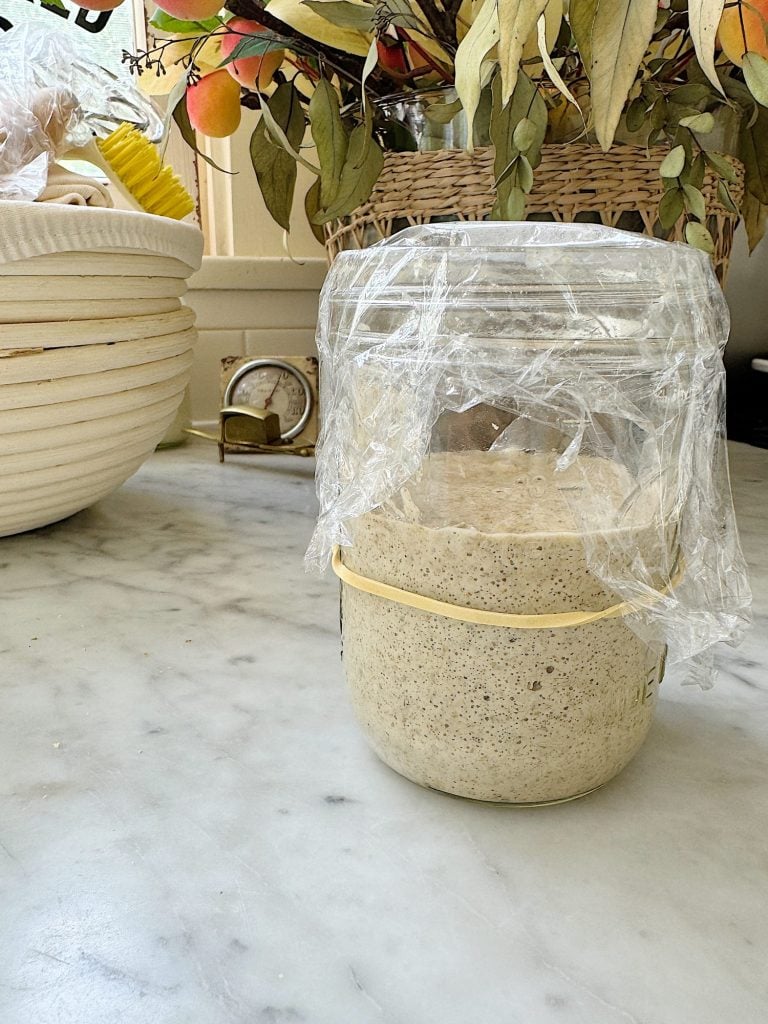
<point x="442" y="23"/>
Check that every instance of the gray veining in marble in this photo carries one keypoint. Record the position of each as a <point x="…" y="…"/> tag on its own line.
<point x="194" y="832"/>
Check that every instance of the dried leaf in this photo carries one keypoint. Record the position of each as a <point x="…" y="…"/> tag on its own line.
<point x="694" y="202"/>
<point x="755" y="216"/>
<point x="304" y="19"/>
<point x="753" y="151"/>
<point x="482" y="36"/>
<point x="527" y="103"/>
<point x="703" y="19"/>
<point x="517" y="19"/>
<point x="719" y="163"/>
<point x="673" y="163"/>
<point x="671" y="208"/>
<point x="311" y="207"/>
<point x="511" y="206"/>
<point x="755" y="70"/>
<point x="702" y="123"/>
<point x="359" y="174"/>
<point x="621" y="33"/>
<point x="698" y="236"/>
<point x="329" y="137"/>
<point x="725" y="197"/>
<point x="524" y="174"/>
<point x="554" y="74"/>
<point x="581" y="17"/>
<point x="275" y="168"/>
<point x="443" y="113"/>
<point x="344" y="14"/>
<point x="524" y="134"/>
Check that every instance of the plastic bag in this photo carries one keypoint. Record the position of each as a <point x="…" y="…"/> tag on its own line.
<point x="524" y="377"/>
<point x="53" y="100"/>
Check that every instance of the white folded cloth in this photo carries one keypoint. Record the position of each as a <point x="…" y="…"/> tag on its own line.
<point x="70" y="189"/>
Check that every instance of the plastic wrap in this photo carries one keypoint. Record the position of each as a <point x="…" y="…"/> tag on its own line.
<point x="577" y="367"/>
<point x="51" y="101"/>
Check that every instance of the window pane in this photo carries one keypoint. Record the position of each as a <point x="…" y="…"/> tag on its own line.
<point x="100" y="35"/>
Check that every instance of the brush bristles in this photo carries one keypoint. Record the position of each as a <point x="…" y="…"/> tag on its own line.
<point x="136" y="163"/>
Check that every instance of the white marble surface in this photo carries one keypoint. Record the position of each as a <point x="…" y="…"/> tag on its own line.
<point x="194" y="832"/>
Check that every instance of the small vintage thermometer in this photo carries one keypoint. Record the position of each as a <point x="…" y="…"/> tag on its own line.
<point x="270" y="404"/>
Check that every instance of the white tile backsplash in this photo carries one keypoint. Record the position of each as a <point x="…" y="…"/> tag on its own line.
<point x="249" y="307"/>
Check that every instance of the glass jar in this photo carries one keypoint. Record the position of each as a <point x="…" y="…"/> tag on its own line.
<point x="523" y="472"/>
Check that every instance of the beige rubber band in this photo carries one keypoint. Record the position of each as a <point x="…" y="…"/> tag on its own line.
<point x="556" y="620"/>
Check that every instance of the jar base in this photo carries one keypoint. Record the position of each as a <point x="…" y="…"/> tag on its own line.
<point x="497" y="803"/>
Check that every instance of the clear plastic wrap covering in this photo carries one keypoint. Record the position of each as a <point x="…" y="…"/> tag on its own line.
<point x="532" y="378"/>
<point x="53" y="100"/>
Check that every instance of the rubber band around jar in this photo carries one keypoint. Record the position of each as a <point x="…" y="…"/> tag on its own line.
<point x="482" y="617"/>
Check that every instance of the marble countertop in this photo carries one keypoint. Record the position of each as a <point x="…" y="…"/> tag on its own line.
<point x="193" y="830"/>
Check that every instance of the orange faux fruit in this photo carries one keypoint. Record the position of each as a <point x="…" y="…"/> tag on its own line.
<point x="213" y="104"/>
<point x="191" y="10"/>
<point x="253" y="72"/>
<point x="98" y="5"/>
<point x="743" y="28"/>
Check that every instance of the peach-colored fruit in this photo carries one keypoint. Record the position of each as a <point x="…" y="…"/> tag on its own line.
<point x="743" y="28"/>
<point x="213" y="104"/>
<point x="191" y="10"/>
<point x="99" y="5"/>
<point x="252" y="72"/>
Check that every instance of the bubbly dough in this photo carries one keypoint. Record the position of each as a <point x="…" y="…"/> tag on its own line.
<point x="489" y="712"/>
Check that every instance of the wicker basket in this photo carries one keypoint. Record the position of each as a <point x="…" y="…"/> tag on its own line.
<point x="95" y="352"/>
<point x="620" y="188"/>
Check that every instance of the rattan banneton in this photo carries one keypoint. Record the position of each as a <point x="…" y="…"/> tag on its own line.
<point x="620" y="188"/>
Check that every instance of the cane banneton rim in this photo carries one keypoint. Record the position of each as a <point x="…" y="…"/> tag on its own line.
<point x="620" y="188"/>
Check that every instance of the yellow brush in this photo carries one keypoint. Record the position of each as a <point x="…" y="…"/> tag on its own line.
<point x="133" y="165"/>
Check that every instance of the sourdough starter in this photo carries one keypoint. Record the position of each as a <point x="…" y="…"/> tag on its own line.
<point x="490" y="712"/>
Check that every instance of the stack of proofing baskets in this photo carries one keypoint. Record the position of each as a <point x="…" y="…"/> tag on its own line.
<point x="95" y="351"/>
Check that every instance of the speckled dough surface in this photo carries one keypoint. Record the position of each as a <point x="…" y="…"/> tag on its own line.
<point x="481" y="711"/>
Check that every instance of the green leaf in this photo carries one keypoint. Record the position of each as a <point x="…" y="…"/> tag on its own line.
<point x="176" y="26"/>
<point x="703" y="19"/>
<point x="360" y="173"/>
<point x="344" y="14"/>
<point x="755" y="70"/>
<point x="725" y="197"/>
<point x="621" y="33"/>
<point x="673" y="163"/>
<point x="719" y="163"/>
<point x="671" y="208"/>
<point x="517" y="20"/>
<point x="56" y="4"/>
<point x="330" y="138"/>
<point x="754" y="214"/>
<point x="753" y="151"/>
<point x="256" y="46"/>
<point x="311" y="207"/>
<point x="703" y="123"/>
<point x="524" y="135"/>
<point x="694" y="202"/>
<point x="581" y="16"/>
<point x="698" y="236"/>
<point x="275" y="168"/>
